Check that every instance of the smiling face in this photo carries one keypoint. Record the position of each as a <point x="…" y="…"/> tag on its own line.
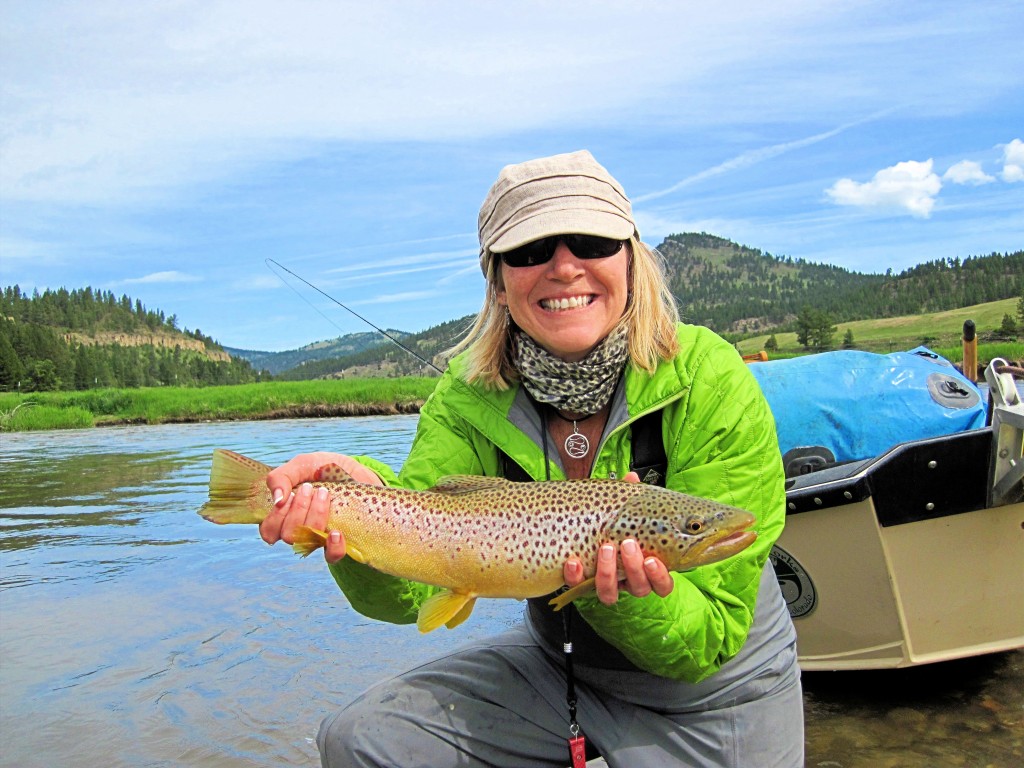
<point x="567" y="305"/>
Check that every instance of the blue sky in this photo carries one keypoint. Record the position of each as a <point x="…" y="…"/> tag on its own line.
<point x="167" y="149"/>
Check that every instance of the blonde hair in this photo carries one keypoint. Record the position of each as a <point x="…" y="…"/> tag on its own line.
<point x="651" y="317"/>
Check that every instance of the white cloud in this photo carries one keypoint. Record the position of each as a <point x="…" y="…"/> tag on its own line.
<point x="413" y="263"/>
<point x="395" y="297"/>
<point x="967" y="172"/>
<point x="103" y="101"/>
<point x="258" y="282"/>
<point x="1013" y="161"/>
<point x="110" y="103"/>
<point x="172" y="276"/>
<point x="910" y="186"/>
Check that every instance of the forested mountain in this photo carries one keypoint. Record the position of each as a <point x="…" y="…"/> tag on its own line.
<point x="350" y="344"/>
<point x="387" y="359"/>
<point x="81" y="339"/>
<point x="737" y="291"/>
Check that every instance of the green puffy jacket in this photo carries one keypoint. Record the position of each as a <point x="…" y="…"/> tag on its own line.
<point x="721" y="444"/>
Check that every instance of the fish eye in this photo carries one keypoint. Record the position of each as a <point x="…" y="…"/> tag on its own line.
<point x="694" y="524"/>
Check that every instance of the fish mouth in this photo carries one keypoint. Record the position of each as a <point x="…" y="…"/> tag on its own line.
<point x="736" y="539"/>
<point x="723" y="544"/>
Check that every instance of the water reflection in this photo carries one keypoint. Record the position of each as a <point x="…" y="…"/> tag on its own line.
<point x="134" y="633"/>
<point x="78" y="479"/>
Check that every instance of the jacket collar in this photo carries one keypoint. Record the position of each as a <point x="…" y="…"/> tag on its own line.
<point x="509" y="419"/>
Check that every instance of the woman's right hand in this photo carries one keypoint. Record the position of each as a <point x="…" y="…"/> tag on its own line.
<point x="297" y="503"/>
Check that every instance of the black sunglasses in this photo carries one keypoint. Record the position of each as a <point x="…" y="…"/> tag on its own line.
<point x="541" y="251"/>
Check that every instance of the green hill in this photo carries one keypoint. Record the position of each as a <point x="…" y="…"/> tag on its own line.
<point x="85" y="339"/>
<point x="734" y="289"/>
<point x="342" y="346"/>
<point x="938" y="330"/>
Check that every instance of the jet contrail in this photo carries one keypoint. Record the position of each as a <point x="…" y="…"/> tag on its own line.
<point x="754" y="156"/>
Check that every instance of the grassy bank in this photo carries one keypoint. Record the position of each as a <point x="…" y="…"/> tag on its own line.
<point x="939" y="331"/>
<point x="1011" y="351"/>
<point x="161" y="405"/>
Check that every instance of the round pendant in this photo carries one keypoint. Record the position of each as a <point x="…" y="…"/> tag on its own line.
<point x="577" y="445"/>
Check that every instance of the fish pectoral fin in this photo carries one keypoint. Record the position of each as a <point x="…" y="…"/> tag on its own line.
<point x="354" y="553"/>
<point x="308" y="540"/>
<point x="462" y="615"/>
<point x="583" y="588"/>
<point x="446" y="607"/>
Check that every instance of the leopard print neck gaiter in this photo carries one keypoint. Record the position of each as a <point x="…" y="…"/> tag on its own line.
<point x="583" y="387"/>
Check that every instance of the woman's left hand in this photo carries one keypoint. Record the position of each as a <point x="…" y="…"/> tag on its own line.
<point x="642" y="575"/>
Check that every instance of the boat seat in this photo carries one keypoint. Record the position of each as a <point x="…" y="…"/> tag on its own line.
<point x="912" y="481"/>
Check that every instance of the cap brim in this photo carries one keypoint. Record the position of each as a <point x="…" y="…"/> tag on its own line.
<point x="573" y="221"/>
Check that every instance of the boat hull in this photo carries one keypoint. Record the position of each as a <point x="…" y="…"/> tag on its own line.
<point x="882" y="597"/>
<point x="897" y="561"/>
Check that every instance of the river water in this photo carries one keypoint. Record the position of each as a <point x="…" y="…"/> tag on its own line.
<point x="134" y="633"/>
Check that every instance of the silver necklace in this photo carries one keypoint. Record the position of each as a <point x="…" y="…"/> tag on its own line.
<point x="576" y="444"/>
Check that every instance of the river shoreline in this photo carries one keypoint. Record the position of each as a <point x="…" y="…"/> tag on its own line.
<point x="265" y="401"/>
<point x="302" y="411"/>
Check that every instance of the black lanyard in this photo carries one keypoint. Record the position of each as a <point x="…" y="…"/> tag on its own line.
<point x="577" y="742"/>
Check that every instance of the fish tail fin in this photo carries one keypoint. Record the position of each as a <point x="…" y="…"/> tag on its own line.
<point x="238" y="491"/>
<point x="446" y="607"/>
<point x="308" y="540"/>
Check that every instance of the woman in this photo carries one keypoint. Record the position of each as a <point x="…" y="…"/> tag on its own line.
<point x="578" y="337"/>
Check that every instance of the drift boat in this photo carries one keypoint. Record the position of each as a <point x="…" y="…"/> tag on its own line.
<point x="898" y="552"/>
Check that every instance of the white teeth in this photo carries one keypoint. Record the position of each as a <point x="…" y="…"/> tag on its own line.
<point x="570" y="303"/>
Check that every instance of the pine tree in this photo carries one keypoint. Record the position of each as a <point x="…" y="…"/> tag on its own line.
<point x="84" y="369"/>
<point x="11" y="369"/>
<point x="42" y="377"/>
<point x="1008" y="328"/>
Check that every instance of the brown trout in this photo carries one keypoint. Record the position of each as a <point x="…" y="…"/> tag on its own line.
<point x="489" y="537"/>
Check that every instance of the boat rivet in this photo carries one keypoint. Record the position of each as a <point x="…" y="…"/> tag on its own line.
<point x="847" y="494"/>
<point x="932" y="464"/>
<point x="817" y="501"/>
<point x="929" y="506"/>
<point x="792" y="505"/>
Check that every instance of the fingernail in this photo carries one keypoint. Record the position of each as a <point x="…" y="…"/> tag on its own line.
<point x="321" y="494"/>
<point x="607" y="552"/>
<point x="651" y="564"/>
<point x="278" y="495"/>
<point x="306" y="489"/>
<point x="573" y="568"/>
<point x="334" y="536"/>
<point x="628" y="547"/>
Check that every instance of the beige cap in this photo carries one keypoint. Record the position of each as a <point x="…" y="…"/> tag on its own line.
<point x="558" y="195"/>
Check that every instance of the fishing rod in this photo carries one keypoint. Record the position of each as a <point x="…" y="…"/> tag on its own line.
<point x="381" y="331"/>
